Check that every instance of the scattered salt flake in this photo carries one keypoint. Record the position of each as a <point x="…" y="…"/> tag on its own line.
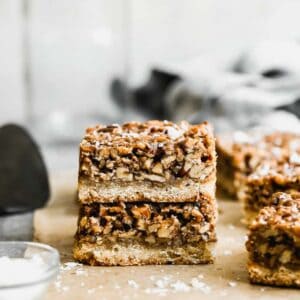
<point x="152" y="278"/>
<point x="200" y="276"/>
<point x="81" y="272"/>
<point x="133" y="284"/>
<point x="262" y="289"/>
<point x="91" y="291"/>
<point x="180" y="286"/>
<point x="223" y="293"/>
<point x="295" y="158"/>
<point x="57" y="284"/>
<point x="82" y="284"/>
<point x="65" y="288"/>
<point x="232" y="283"/>
<point x="276" y="151"/>
<point x="117" y="286"/>
<point x="231" y="227"/>
<point x="69" y="266"/>
<point x="227" y="252"/>
<point x="174" y="133"/>
<point x="160" y="283"/>
<point x="200" y="285"/>
<point x="157" y="291"/>
<point x="100" y="286"/>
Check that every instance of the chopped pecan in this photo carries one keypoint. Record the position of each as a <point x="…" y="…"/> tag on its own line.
<point x="157" y="169"/>
<point x="195" y="171"/>
<point x="166" y="161"/>
<point x="123" y="174"/>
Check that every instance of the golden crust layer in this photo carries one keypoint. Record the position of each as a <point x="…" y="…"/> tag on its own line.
<point x="135" y="253"/>
<point x="282" y="277"/>
<point x="180" y="191"/>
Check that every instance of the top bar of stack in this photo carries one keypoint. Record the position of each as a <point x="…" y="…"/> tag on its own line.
<point x="155" y="161"/>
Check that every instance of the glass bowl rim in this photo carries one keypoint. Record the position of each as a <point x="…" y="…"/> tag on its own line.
<point x="49" y="272"/>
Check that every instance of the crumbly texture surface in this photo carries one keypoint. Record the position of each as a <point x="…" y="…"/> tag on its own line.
<point x="156" y="151"/>
<point x="150" y="223"/>
<point x="183" y="190"/>
<point x="269" y="178"/>
<point x="274" y="242"/>
<point x="135" y="253"/>
<point x="242" y="154"/>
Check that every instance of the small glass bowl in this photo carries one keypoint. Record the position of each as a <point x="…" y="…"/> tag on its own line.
<point x="28" y="283"/>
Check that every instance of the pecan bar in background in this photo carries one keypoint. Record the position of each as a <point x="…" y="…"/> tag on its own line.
<point x="241" y="153"/>
<point x="274" y="243"/>
<point x="147" y="194"/>
<point x="280" y="172"/>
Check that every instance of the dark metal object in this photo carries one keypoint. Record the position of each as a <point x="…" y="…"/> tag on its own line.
<point x="24" y="182"/>
<point x="148" y="99"/>
<point x="292" y="108"/>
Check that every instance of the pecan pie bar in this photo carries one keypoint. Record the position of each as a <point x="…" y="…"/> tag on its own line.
<point x="151" y="161"/>
<point x="279" y="173"/>
<point x="274" y="243"/>
<point x="147" y="194"/>
<point x="146" y="233"/>
<point x="242" y="153"/>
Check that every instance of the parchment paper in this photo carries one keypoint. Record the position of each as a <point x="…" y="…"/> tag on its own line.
<point x="226" y="278"/>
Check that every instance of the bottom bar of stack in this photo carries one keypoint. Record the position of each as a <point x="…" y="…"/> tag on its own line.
<point x="139" y="233"/>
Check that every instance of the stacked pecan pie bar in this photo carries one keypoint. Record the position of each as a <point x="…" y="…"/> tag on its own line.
<point x="274" y="242"/>
<point x="147" y="194"/>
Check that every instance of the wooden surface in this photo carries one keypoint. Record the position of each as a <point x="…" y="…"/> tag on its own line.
<point x="226" y="278"/>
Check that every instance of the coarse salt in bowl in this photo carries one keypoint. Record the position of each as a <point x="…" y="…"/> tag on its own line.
<point x="26" y="269"/>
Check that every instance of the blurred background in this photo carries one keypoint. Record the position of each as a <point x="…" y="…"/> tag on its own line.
<point x="66" y="65"/>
